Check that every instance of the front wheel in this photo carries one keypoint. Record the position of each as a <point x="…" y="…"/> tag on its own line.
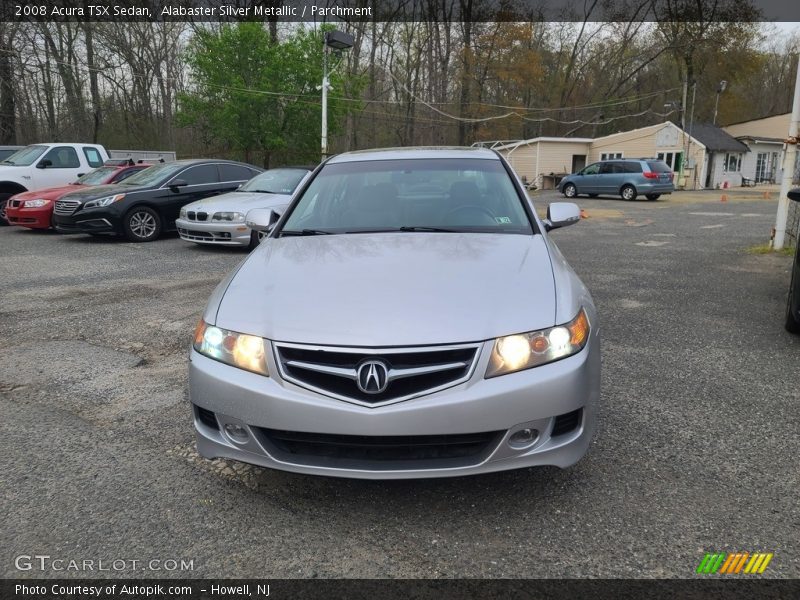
<point x="142" y="224"/>
<point x="570" y="191"/>
<point x="628" y="192"/>
<point x="3" y="203"/>
<point x="792" y="324"/>
<point x="653" y="196"/>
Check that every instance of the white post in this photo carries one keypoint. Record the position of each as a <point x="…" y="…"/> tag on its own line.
<point x="788" y="168"/>
<point x="325" y="85"/>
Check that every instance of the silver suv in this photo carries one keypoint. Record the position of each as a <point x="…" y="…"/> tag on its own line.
<point x="620" y="177"/>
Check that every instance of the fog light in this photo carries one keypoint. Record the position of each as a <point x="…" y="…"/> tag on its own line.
<point x="236" y="432"/>
<point x="523" y="437"/>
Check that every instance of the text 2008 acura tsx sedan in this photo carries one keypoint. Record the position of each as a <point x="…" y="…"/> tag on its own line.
<point x="406" y="317"/>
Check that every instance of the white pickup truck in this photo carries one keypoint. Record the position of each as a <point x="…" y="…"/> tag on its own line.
<point x="50" y="165"/>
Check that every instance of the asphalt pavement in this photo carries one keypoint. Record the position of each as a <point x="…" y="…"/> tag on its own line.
<point x="696" y="451"/>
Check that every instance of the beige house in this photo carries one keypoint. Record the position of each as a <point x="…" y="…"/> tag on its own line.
<point x="544" y="161"/>
<point x="765" y="138"/>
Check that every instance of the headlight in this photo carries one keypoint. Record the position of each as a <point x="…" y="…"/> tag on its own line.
<point x="104" y="201"/>
<point x="526" y="350"/>
<point x="236" y="349"/>
<point x="183" y="213"/>
<point x="34" y="203"/>
<point x="234" y="217"/>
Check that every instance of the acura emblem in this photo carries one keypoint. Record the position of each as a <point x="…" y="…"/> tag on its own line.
<point x="373" y="377"/>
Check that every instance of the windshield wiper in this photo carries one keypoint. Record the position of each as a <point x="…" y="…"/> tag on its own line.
<point x="305" y="232"/>
<point x="9" y="162"/>
<point x="431" y="229"/>
<point x="258" y="191"/>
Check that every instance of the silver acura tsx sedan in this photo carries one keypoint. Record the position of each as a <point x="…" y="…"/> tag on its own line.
<point x="407" y="316"/>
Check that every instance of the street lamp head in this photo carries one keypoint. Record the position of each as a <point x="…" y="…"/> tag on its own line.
<point x="338" y="40"/>
<point x="722" y="85"/>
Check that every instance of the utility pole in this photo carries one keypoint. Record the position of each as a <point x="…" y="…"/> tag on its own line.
<point x="325" y="85"/>
<point x="789" y="157"/>
<point x="683" y="128"/>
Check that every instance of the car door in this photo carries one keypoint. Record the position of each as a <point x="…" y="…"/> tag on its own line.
<point x="606" y="180"/>
<point x="588" y="179"/>
<point x="62" y="167"/>
<point x="199" y="181"/>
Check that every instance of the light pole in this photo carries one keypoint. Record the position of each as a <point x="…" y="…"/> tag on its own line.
<point x="722" y="85"/>
<point x="338" y="40"/>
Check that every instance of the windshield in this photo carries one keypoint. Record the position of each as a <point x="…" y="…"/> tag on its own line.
<point x="275" y="181"/>
<point x="473" y="195"/>
<point x="153" y="175"/>
<point x="25" y="156"/>
<point x="96" y="177"/>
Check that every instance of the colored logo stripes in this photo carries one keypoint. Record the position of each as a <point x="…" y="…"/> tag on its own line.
<point x="735" y="563"/>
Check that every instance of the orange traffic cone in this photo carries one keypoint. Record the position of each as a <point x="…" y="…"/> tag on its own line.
<point x="584" y="214"/>
<point x="766" y="195"/>
<point x="724" y="198"/>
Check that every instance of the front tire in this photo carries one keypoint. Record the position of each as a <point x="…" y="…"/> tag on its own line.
<point x="792" y="324"/>
<point x="3" y="203"/>
<point x="570" y="191"/>
<point x="628" y="192"/>
<point x="653" y="196"/>
<point x="142" y="224"/>
<point x="593" y="195"/>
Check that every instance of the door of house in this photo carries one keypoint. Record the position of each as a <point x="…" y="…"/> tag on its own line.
<point x="578" y="162"/>
<point x="761" y="166"/>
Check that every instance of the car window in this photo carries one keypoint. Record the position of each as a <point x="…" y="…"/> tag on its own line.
<point x="592" y="169"/>
<point x="154" y="175"/>
<point x="234" y="173"/>
<point x="123" y="175"/>
<point x="275" y="181"/>
<point x="97" y="176"/>
<point x="633" y="167"/>
<point x="387" y="195"/>
<point x="93" y="156"/>
<point x="62" y="157"/>
<point x="25" y="156"/>
<point x="658" y="166"/>
<point x="606" y="168"/>
<point x="199" y="174"/>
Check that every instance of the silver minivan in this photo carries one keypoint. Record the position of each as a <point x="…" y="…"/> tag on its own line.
<point x="621" y="177"/>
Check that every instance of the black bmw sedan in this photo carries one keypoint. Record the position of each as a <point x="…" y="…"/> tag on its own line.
<point x="144" y="205"/>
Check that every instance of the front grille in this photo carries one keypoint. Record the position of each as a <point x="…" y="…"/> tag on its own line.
<point x="380" y="452"/>
<point x="66" y="207"/>
<point x="405" y="372"/>
<point x="204" y="236"/>
<point x="196" y="216"/>
<point x="567" y="422"/>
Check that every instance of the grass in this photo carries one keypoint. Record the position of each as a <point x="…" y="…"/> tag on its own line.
<point x="767" y="249"/>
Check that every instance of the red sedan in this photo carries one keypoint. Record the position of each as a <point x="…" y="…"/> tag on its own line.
<point x="33" y="209"/>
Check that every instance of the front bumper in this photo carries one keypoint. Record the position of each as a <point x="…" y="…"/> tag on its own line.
<point x="33" y="218"/>
<point x="89" y="221"/>
<point x="530" y="399"/>
<point x="218" y="233"/>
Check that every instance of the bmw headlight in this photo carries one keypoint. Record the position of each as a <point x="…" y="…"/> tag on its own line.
<point x="236" y="349"/>
<point x="233" y="217"/>
<point x="526" y="350"/>
<point x="38" y="202"/>
<point x="105" y="201"/>
<point x="183" y="212"/>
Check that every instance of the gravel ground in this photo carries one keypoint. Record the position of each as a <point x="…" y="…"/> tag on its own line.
<point x="697" y="448"/>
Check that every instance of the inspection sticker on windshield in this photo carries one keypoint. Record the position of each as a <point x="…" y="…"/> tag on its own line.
<point x="502" y="219"/>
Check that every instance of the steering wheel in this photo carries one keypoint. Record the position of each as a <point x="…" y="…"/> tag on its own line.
<point x="474" y="209"/>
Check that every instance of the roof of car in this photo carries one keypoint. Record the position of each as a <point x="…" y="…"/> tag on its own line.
<point x="423" y="152"/>
<point x="200" y="161"/>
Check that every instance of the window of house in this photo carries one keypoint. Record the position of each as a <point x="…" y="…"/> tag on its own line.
<point x="610" y="155"/>
<point x="671" y="159"/>
<point x="733" y="162"/>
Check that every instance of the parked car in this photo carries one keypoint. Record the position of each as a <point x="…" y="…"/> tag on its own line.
<point x="35" y="209"/>
<point x="793" y="302"/>
<point x="144" y="205"/>
<point x="220" y="220"/>
<point x="621" y="177"/>
<point x="408" y="316"/>
<point x="46" y="165"/>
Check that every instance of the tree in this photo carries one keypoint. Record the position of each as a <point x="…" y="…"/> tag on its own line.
<point x="259" y="96"/>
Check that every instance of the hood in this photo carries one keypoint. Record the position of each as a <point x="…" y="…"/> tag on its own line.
<point x="90" y="192"/>
<point x="240" y="202"/>
<point x="392" y="289"/>
<point x="53" y="193"/>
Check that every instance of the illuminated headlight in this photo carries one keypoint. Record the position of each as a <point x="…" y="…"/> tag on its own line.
<point x="104" y="201"/>
<point x="236" y="349"/>
<point x="34" y="203"/>
<point x="526" y="350"/>
<point x="233" y="217"/>
<point x="183" y="213"/>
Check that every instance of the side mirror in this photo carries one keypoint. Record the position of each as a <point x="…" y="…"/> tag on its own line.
<point x="261" y="219"/>
<point x="794" y="194"/>
<point x="44" y="163"/>
<point x="561" y="214"/>
<point x="176" y="184"/>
